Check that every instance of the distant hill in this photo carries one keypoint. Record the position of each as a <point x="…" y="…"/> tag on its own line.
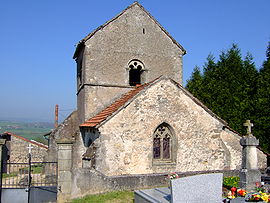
<point x="29" y="130"/>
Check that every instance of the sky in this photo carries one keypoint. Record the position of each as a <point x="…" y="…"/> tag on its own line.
<point x="38" y="38"/>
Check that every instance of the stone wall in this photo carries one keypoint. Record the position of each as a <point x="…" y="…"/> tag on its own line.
<point x="90" y="181"/>
<point x="96" y="99"/>
<point x="67" y="130"/>
<point x="18" y="150"/>
<point x="125" y="145"/>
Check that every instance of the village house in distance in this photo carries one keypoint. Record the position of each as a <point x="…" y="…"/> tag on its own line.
<point x="135" y="122"/>
<point x="16" y="149"/>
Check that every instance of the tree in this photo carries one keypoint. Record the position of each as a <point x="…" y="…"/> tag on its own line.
<point x="262" y="119"/>
<point x="194" y="85"/>
<point x="228" y="87"/>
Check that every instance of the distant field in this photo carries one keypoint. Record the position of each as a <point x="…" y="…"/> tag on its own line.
<point x="29" y="130"/>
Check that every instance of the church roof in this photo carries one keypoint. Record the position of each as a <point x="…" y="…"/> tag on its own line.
<point x="103" y="115"/>
<point x="80" y="44"/>
<point x="119" y="104"/>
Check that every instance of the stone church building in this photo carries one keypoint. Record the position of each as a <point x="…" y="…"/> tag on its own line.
<point x="135" y="122"/>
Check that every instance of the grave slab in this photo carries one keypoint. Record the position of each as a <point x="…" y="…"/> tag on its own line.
<point x="157" y="195"/>
<point x="203" y="188"/>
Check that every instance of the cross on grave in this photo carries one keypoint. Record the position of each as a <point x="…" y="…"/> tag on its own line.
<point x="29" y="148"/>
<point x="248" y="124"/>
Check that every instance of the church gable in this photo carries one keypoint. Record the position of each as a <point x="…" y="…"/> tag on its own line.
<point x="132" y="35"/>
<point x="135" y="27"/>
<point x="141" y="9"/>
<point x="131" y="141"/>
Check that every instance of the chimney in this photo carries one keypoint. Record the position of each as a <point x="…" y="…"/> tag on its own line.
<point x="56" y="116"/>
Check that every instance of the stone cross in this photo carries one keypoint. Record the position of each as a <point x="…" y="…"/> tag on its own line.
<point x="29" y="148"/>
<point x="248" y="124"/>
<point x="249" y="173"/>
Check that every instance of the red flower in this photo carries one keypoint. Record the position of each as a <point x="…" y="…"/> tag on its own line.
<point x="233" y="189"/>
<point x="257" y="184"/>
<point x="241" y="192"/>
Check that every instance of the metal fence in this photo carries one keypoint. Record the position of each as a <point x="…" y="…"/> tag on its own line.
<point x="32" y="174"/>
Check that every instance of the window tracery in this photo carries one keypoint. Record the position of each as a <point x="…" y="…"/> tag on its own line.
<point x="162" y="143"/>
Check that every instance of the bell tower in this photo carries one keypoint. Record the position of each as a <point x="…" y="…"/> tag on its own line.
<point x="130" y="49"/>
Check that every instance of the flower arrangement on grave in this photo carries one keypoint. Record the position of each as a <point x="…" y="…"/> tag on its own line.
<point x="173" y="175"/>
<point x="234" y="192"/>
<point x="259" y="195"/>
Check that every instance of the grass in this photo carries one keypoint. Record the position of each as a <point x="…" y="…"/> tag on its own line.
<point x="6" y="175"/>
<point x="37" y="168"/>
<point x="110" y="197"/>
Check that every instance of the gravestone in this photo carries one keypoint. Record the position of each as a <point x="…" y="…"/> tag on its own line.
<point x="203" y="188"/>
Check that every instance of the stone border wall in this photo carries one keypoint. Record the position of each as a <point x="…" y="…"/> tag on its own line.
<point x="90" y="181"/>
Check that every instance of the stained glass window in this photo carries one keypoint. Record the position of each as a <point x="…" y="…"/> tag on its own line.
<point x="166" y="147"/>
<point x="156" y="148"/>
<point x="162" y="146"/>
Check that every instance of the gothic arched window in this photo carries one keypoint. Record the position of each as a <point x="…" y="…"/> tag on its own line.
<point x="163" y="143"/>
<point x="135" y="72"/>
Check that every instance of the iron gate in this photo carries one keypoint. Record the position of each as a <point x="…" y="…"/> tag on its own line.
<point x="29" y="182"/>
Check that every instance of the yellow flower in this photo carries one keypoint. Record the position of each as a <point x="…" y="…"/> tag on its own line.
<point x="265" y="198"/>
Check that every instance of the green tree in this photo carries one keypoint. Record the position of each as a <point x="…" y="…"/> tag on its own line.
<point x="194" y="85"/>
<point x="228" y="87"/>
<point x="262" y="119"/>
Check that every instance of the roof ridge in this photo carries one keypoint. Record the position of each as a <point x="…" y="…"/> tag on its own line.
<point x="27" y="140"/>
<point x="78" y="47"/>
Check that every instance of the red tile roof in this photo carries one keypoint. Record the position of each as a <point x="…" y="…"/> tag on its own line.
<point x="103" y="115"/>
<point x="25" y="139"/>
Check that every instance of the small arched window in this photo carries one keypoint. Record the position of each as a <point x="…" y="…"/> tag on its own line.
<point x="135" y="72"/>
<point x="163" y="143"/>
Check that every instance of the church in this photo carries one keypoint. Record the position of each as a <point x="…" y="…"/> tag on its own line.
<point x="135" y="122"/>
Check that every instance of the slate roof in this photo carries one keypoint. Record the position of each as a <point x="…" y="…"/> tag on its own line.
<point x="27" y="140"/>
<point x="80" y="44"/>
<point x="115" y="107"/>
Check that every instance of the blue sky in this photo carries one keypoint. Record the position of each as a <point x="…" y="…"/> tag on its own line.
<point x="38" y="41"/>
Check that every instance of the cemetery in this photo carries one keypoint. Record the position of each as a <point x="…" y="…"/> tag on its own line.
<point x="135" y="123"/>
<point x="208" y="187"/>
<point x="137" y="128"/>
<point x="254" y="185"/>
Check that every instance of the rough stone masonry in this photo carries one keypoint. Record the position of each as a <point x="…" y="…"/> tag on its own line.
<point x="135" y="122"/>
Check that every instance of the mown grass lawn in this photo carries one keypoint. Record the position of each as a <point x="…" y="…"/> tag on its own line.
<point x="110" y="197"/>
